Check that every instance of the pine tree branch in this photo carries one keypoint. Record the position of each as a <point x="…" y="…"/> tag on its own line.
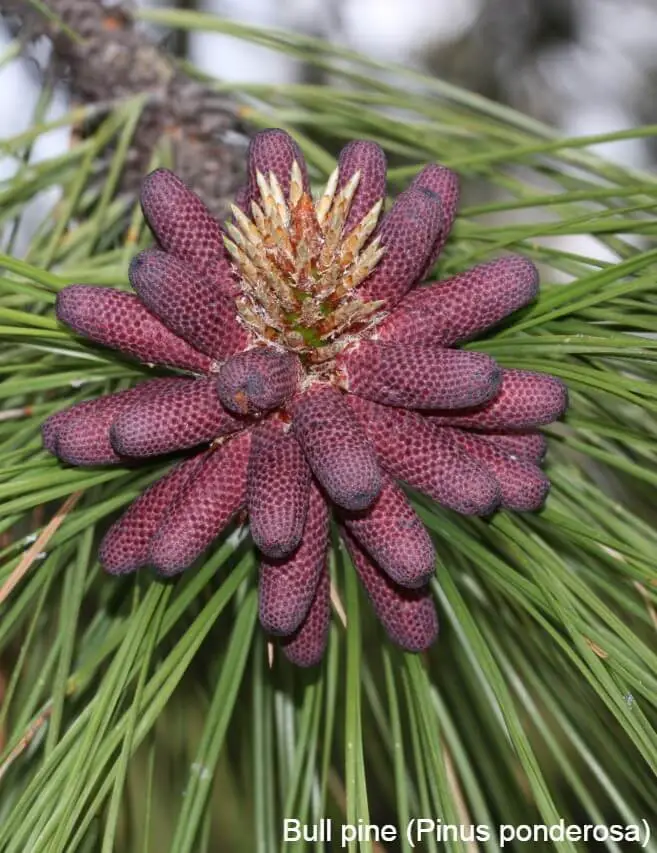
<point x="102" y="56"/>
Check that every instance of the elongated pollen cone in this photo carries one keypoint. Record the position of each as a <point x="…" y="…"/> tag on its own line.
<point x="337" y="449"/>
<point x="184" y="416"/>
<point x="445" y="184"/>
<point x="275" y="151"/>
<point x="185" y="228"/>
<point x="119" y="320"/>
<point x="369" y="159"/>
<point x="523" y="486"/>
<point x="203" y="509"/>
<point x="126" y="544"/>
<point x="530" y="445"/>
<point x="278" y="490"/>
<point x="461" y="307"/>
<point x="427" y="458"/>
<point x="288" y="585"/>
<point x="408" y="615"/>
<point x="258" y="380"/>
<point x="408" y="233"/>
<point x="526" y="399"/>
<point x="307" y="646"/>
<point x="188" y="302"/>
<point x="415" y="376"/>
<point x="81" y="435"/>
<point x="393" y="535"/>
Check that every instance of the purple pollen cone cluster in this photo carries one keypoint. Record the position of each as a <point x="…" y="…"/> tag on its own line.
<point x="311" y="371"/>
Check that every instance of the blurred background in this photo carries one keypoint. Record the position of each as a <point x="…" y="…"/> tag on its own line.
<point x="584" y="66"/>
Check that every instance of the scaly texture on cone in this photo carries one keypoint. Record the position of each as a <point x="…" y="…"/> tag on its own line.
<point x="317" y="373"/>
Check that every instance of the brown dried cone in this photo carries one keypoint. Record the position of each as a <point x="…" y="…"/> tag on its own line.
<point x="112" y="60"/>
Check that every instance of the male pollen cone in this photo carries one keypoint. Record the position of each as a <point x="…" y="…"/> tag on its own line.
<point x="278" y="489"/>
<point x="258" y="380"/>
<point x="288" y="584"/>
<point x="337" y="449"/>
<point x="309" y="371"/>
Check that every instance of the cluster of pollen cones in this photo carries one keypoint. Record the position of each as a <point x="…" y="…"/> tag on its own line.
<point x="311" y="371"/>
